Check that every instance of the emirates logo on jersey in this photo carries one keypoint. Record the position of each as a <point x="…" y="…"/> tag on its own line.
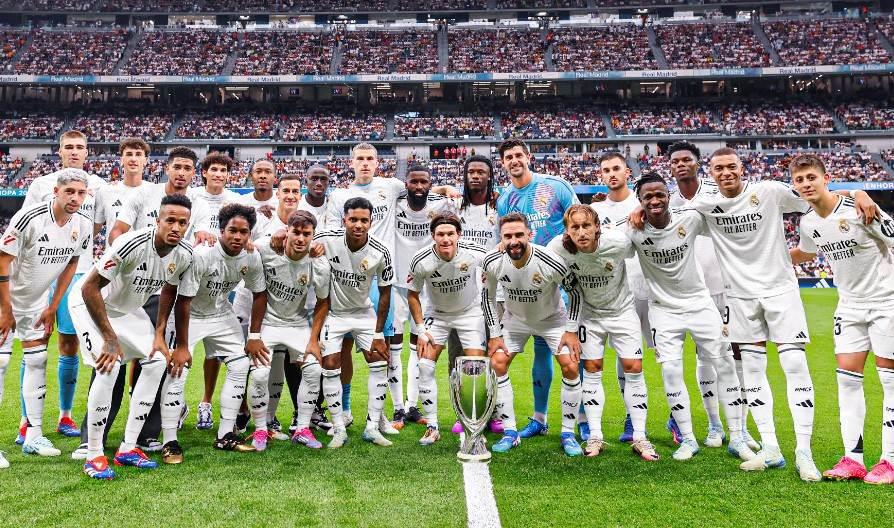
<point x="243" y="270"/>
<point x="172" y="268"/>
<point x="302" y="279"/>
<point x="464" y="267"/>
<point x="364" y="265"/>
<point x="9" y="239"/>
<point x="537" y="279"/>
<point x="753" y="200"/>
<point x="681" y="232"/>
<point x="843" y="226"/>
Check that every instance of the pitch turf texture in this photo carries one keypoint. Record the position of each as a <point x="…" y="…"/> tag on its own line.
<point x="534" y="485"/>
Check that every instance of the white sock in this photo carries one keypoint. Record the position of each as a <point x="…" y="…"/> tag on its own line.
<point x="396" y="377"/>
<point x="428" y="391"/>
<point x="622" y="378"/>
<point x="141" y="400"/>
<point x="505" y="408"/>
<point x="743" y="409"/>
<point x="377" y="387"/>
<point x="332" y="394"/>
<point x="260" y="398"/>
<point x="707" y="384"/>
<point x="570" y="394"/>
<point x="34" y="389"/>
<point x="276" y="381"/>
<point x="886" y="377"/>
<point x="799" y="389"/>
<point x="172" y="402"/>
<point x="593" y="398"/>
<point x="232" y="393"/>
<point x="851" y="412"/>
<point x="728" y="389"/>
<point x="412" y="378"/>
<point x="4" y="362"/>
<point x="677" y="396"/>
<point x="99" y="402"/>
<point x="308" y="391"/>
<point x="636" y="399"/>
<point x="758" y="393"/>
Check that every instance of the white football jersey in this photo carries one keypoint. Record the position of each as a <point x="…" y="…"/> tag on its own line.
<point x="214" y="202"/>
<point x="749" y="236"/>
<point x="452" y="285"/>
<point x="267" y="227"/>
<point x="214" y="274"/>
<point x="136" y="271"/>
<point x="250" y="200"/>
<point x="382" y="193"/>
<point x="318" y="212"/>
<point x="668" y="260"/>
<point x="41" y="190"/>
<point x="860" y="255"/>
<point x="601" y="276"/>
<point x="289" y="285"/>
<point x="352" y="271"/>
<point x="704" y="245"/>
<point x="479" y="224"/>
<point x="109" y="202"/>
<point x="614" y="214"/>
<point x="414" y="230"/>
<point x="140" y="210"/>
<point x="42" y="249"/>
<point x="532" y="291"/>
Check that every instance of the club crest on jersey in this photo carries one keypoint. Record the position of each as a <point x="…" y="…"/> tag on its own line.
<point x="537" y="279"/>
<point x="74" y="235"/>
<point x="302" y="279"/>
<point x="364" y="265"/>
<point x="725" y="331"/>
<point x="492" y="219"/>
<point x="463" y="267"/>
<point x="172" y="268"/>
<point x="431" y="214"/>
<point x="754" y="201"/>
<point x="843" y="226"/>
<point x="382" y="195"/>
<point x="681" y="232"/>
<point x="609" y="267"/>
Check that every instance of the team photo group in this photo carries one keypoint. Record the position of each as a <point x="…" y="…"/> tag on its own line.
<point x="288" y="286"/>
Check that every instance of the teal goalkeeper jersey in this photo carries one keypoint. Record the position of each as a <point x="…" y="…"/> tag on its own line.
<point x="543" y="201"/>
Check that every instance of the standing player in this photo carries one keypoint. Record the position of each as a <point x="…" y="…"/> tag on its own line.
<point x="543" y="201"/>
<point x="42" y="244"/>
<point x="287" y="321"/>
<point x="112" y="327"/>
<point x="263" y="179"/>
<point x="531" y="276"/>
<point x="616" y="208"/>
<point x="598" y="261"/>
<point x="215" y="272"/>
<point x="355" y="258"/>
<point x="680" y="302"/>
<point x="415" y="211"/>
<point x="860" y="256"/>
<point x="73" y="153"/>
<point x="448" y="270"/>
<point x="316" y="181"/>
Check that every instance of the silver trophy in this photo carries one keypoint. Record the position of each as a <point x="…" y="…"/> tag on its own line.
<point x="473" y="392"/>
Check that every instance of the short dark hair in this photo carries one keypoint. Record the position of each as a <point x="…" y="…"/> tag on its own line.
<point x="611" y="154"/>
<point x="649" y="177"/>
<point x="514" y="217"/>
<point x="217" y="158"/>
<point x="511" y="143"/>
<point x="446" y="219"/>
<point x="358" y="202"/>
<point x="183" y="152"/>
<point x="176" y="199"/>
<point x="133" y="143"/>
<point x="230" y="211"/>
<point x="290" y="177"/>
<point x="418" y="167"/>
<point x="724" y="151"/>
<point x="301" y="219"/>
<point x="684" y="145"/>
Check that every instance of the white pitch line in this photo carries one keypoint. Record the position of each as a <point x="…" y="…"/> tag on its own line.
<point x="481" y="506"/>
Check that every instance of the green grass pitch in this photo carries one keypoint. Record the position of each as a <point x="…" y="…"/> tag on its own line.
<point x="535" y="485"/>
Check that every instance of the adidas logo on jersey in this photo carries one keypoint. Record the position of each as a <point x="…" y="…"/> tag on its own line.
<point x="815" y="234"/>
<point x="214" y="273"/>
<point x="505" y="278"/>
<point x="574" y="266"/>
<point x="117" y="203"/>
<point x="401" y="214"/>
<point x="142" y="267"/>
<point x="334" y="260"/>
<point x="717" y="210"/>
<point x="44" y="238"/>
<point x="648" y="242"/>
<point x="153" y="214"/>
<point x="271" y="271"/>
<point x="435" y="275"/>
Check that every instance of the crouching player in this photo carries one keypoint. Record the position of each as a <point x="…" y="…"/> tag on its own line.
<point x="598" y="261"/>
<point x="860" y="256"/>
<point x="106" y="307"/>
<point x="216" y="271"/>
<point x="449" y="269"/>
<point x="286" y="325"/>
<point x="531" y="276"/>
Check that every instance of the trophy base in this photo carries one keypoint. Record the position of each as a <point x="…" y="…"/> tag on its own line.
<point x="473" y="449"/>
<point x="469" y="458"/>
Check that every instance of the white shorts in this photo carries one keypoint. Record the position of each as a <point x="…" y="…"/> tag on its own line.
<point x="864" y="329"/>
<point x="703" y="323"/>
<point x="401" y="309"/>
<point x="779" y="319"/>
<point x="25" y="330"/>
<point x="222" y="336"/>
<point x="642" y="311"/>
<point x="623" y="329"/>
<point x="291" y="338"/>
<point x="135" y="332"/>
<point x="361" y="324"/>
<point x="469" y="328"/>
<point x="242" y="301"/>
<point x="516" y="333"/>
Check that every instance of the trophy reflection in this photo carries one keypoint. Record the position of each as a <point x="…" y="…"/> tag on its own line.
<point x="473" y="391"/>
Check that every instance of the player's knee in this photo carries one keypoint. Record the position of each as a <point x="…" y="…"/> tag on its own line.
<point x="593" y="365"/>
<point x="672" y="370"/>
<point x="632" y="366"/>
<point x="68" y="345"/>
<point x="238" y="369"/>
<point x="261" y="375"/>
<point x="35" y="357"/>
<point x="793" y="359"/>
<point x="310" y="372"/>
<point x="4" y="362"/>
<point x="570" y="371"/>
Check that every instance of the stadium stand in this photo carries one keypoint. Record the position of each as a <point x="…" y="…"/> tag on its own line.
<point x="331" y="126"/>
<point x="662" y="119"/>
<point x="9" y="167"/>
<point x="747" y="119"/>
<point x="72" y="52"/>
<point x="228" y="125"/>
<point x="284" y="53"/>
<point x="389" y="52"/>
<point x="10" y="43"/>
<point x="826" y="41"/>
<point x="33" y="126"/>
<point x="571" y="122"/>
<point x="476" y="126"/>
<point x="500" y="50"/>
<point x="111" y="127"/>
<point x="184" y="52"/>
<point x="706" y="45"/>
<point x="620" y="47"/>
<point x="866" y="115"/>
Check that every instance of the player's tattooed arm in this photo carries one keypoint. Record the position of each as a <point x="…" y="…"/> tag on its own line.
<point x="91" y="291"/>
<point x="321" y="310"/>
<point x="379" y="347"/>
<point x="7" y="321"/>
<point x="254" y="346"/>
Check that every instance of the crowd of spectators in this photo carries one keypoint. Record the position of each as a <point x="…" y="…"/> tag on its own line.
<point x="833" y="41"/>
<point x="866" y="115"/>
<point x="540" y="4"/>
<point x="500" y="50"/>
<point x="842" y="165"/>
<point x="334" y="127"/>
<point x="182" y="52"/>
<point x="9" y="167"/>
<point x="10" y="43"/>
<point x="572" y="122"/>
<point x="576" y="169"/>
<point x="29" y="126"/>
<point x="284" y="53"/>
<point x="662" y="119"/>
<point x="442" y="126"/>
<point x="705" y="45"/>
<point x="618" y="47"/>
<point x="105" y="166"/>
<point x="246" y="125"/>
<point x="440" y="5"/>
<point x="376" y="52"/>
<point x="745" y="119"/>
<point x="111" y="127"/>
<point x="49" y="5"/>
<point x="73" y="52"/>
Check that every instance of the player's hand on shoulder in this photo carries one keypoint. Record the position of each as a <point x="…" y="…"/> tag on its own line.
<point x="866" y="208"/>
<point x="637" y="218"/>
<point x="204" y="237"/>
<point x="266" y="210"/>
<point x="599" y="197"/>
<point x="317" y="249"/>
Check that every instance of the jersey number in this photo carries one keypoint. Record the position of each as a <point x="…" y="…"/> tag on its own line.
<point x="86" y="336"/>
<point x="582" y="334"/>
<point x="654" y="338"/>
<point x="837" y="325"/>
<point x="726" y="315"/>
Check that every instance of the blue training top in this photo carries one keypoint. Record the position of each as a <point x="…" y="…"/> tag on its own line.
<point x="543" y="201"/>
